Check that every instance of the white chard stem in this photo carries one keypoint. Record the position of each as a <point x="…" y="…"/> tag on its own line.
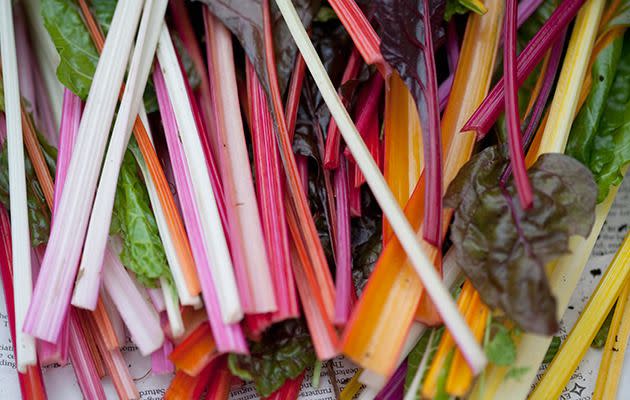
<point x="21" y="241"/>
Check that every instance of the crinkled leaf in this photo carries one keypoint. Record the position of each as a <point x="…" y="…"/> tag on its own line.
<point x="284" y="352"/>
<point x="605" y="147"/>
<point x="142" y="250"/>
<point x="501" y="349"/>
<point x="503" y="249"/>
<point x="244" y="18"/>
<point x="38" y="212"/>
<point x="78" y="56"/>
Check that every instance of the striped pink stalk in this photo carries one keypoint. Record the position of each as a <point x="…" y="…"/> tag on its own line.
<point x="160" y="363"/>
<point x="271" y="195"/>
<point x="363" y="35"/>
<point x="333" y="136"/>
<point x="343" y="254"/>
<point x="82" y="363"/>
<point x="114" y="316"/>
<point x="70" y="118"/>
<point x="233" y="237"/>
<point x="254" y="281"/>
<point x="515" y="140"/>
<point x="228" y="337"/>
<point x="50" y="353"/>
<point x="140" y="318"/>
<point x="489" y="110"/>
<point x="187" y="34"/>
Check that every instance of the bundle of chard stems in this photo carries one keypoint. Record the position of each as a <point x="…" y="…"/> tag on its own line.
<point x="244" y="191"/>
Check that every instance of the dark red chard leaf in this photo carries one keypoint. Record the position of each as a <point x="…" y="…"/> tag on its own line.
<point x="244" y="18"/>
<point x="502" y="248"/>
<point x="407" y="45"/>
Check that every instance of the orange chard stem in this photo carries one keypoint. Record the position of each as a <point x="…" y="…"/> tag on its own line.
<point x="37" y="158"/>
<point x="186" y="387"/>
<point x="196" y="351"/>
<point x="369" y="339"/>
<point x="403" y="144"/>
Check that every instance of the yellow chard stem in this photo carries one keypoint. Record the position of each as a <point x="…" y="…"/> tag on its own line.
<point x="584" y="331"/>
<point x="566" y="97"/>
<point x="614" y="349"/>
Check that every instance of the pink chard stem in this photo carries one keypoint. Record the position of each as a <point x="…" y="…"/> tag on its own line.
<point x="270" y="190"/>
<point x="228" y="337"/>
<point x="487" y="113"/>
<point x="343" y="254"/>
<point x="515" y="140"/>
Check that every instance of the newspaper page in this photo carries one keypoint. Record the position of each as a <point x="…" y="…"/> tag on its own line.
<point x="61" y="383"/>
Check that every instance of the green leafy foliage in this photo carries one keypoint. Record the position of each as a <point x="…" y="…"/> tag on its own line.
<point x="441" y="393"/>
<point x="516" y="373"/>
<point x="284" y="352"/>
<point x="417" y="353"/>
<point x="621" y="19"/>
<point x="502" y="248"/>
<point x="78" y="56"/>
<point x="602" y="334"/>
<point x="244" y="18"/>
<point x="501" y="349"/>
<point x="38" y="212"/>
<point x="554" y="346"/>
<point x="603" y="144"/>
<point x="454" y="7"/>
<point x="134" y="221"/>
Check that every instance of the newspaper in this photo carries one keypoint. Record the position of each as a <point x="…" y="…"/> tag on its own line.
<point x="61" y="383"/>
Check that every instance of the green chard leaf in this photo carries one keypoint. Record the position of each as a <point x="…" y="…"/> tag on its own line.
<point x="417" y="353"/>
<point x="38" y="212"/>
<point x="604" y="145"/>
<point x="454" y="7"/>
<point x="134" y="221"/>
<point x="284" y="352"/>
<point x="554" y="346"/>
<point x="602" y="334"/>
<point x="587" y="121"/>
<point x="244" y="18"/>
<point x="78" y="56"/>
<point x="501" y="349"/>
<point x="502" y="248"/>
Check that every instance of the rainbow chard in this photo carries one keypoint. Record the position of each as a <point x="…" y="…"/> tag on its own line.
<point x="505" y="259"/>
<point x="411" y="54"/>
